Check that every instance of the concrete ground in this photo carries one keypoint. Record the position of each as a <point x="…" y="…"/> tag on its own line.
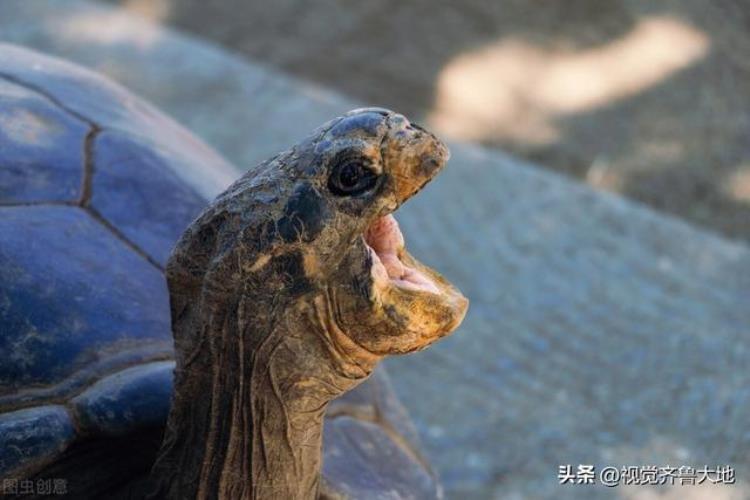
<point x="600" y="332"/>
<point x="647" y="99"/>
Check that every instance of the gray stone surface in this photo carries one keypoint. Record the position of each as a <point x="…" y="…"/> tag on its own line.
<point x="599" y="331"/>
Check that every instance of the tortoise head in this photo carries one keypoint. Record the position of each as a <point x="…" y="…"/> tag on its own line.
<point x="286" y="292"/>
<point x="348" y="179"/>
<point x="312" y="230"/>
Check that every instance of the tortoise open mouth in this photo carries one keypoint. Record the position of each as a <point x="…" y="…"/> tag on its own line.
<point x="386" y="244"/>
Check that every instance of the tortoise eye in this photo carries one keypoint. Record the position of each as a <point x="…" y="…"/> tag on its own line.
<point x="351" y="177"/>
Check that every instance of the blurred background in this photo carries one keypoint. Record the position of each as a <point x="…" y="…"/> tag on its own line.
<point x="610" y="318"/>
<point x="648" y="99"/>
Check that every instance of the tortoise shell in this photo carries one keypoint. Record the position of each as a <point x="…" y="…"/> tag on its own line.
<point x="96" y="186"/>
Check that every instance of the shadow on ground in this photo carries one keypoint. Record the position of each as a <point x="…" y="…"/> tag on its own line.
<point x="649" y="100"/>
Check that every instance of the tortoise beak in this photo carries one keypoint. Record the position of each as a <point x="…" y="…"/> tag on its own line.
<point x="413" y="156"/>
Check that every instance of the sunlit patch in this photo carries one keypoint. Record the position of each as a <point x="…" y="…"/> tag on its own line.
<point x="154" y="10"/>
<point x="737" y="185"/>
<point x="109" y="27"/>
<point x="386" y="244"/>
<point x="515" y="90"/>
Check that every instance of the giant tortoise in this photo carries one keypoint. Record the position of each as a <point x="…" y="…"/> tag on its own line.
<point x="285" y="291"/>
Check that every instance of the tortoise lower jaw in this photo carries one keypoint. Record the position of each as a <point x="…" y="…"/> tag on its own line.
<point x="417" y="303"/>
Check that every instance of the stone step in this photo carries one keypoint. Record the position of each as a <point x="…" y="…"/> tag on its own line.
<point x="600" y="332"/>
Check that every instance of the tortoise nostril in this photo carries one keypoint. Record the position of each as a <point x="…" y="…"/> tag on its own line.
<point x="429" y="166"/>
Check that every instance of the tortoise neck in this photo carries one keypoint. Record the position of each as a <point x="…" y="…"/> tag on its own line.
<point x="272" y="445"/>
<point x="247" y="419"/>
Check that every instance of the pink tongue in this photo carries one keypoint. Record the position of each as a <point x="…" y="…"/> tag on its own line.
<point x="386" y="239"/>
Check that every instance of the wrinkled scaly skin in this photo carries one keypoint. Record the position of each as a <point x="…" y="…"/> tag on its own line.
<point x="278" y="307"/>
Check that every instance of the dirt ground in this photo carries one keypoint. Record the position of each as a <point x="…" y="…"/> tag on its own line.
<point x="649" y="99"/>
